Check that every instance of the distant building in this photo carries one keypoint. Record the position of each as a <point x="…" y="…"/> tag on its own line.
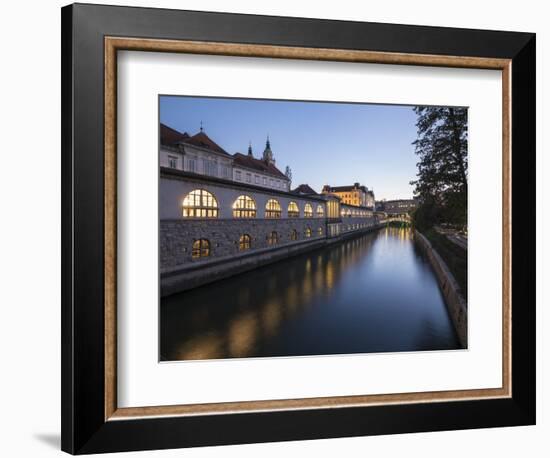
<point x="200" y="154"/>
<point x="370" y="200"/>
<point x="356" y="194"/>
<point x="398" y="206"/>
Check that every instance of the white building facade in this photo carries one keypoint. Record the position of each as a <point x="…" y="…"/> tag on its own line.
<point x="201" y="155"/>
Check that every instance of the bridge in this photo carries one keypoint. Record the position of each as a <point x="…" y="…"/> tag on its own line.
<point x="401" y="219"/>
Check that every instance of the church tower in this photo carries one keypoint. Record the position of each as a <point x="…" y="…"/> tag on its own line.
<point x="268" y="154"/>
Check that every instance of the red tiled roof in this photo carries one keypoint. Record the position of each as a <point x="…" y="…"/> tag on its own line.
<point x="257" y="164"/>
<point x="304" y="189"/>
<point x="204" y="141"/>
<point x="169" y="136"/>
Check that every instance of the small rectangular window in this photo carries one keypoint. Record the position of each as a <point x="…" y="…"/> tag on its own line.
<point x="191" y="164"/>
<point x="173" y="162"/>
<point x="238" y="175"/>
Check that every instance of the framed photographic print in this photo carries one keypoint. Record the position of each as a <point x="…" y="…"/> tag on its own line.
<point x="284" y="228"/>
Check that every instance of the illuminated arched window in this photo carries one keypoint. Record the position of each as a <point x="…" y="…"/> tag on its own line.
<point x="199" y="203"/>
<point x="308" y="211"/>
<point x="272" y="209"/>
<point x="320" y="231"/>
<point x="244" y="207"/>
<point x="307" y="232"/>
<point x="201" y="249"/>
<point x="244" y="242"/>
<point x="294" y="234"/>
<point x="272" y="238"/>
<point x="320" y="211"/>
<point x="293" y="210"/>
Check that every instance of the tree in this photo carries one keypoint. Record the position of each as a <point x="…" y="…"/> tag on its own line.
<point x="442" y="146"/>
<point x="288" y="173"/>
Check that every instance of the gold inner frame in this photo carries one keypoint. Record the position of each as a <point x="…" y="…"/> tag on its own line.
<point x="114" y="44"/>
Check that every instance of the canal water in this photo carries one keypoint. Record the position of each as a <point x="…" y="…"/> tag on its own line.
<point x="373" y="293"/>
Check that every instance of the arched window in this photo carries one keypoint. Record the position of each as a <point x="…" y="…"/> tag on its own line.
<point x="244" y="242"/>
<point x="320" y="211"/>
<point x="294" y="234"/>
<point x="199" y="203"/>
<point x="201" y="249"/>
<point x="308" y="211"/>
<point x="272" y="238"/>
<point x="320" y="231"/>
<point x="293" y="210"/>
<point x="307" y="232"/>
<point x="273" y="209"/>
<point x="244" y="207"/>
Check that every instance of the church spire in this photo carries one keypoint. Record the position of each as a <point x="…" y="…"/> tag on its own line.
<point x="268" y="154"/>
<point x="250" y="149"/>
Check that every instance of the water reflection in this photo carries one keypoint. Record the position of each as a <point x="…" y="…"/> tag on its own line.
<point x="374" y="293"/>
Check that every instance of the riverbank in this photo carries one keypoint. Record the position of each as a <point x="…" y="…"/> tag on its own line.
<point x="454" y="255"/>
<point x="456" y="303"/>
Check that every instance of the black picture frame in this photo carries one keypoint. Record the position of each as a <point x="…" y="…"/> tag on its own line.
<point x="84" y="427"/>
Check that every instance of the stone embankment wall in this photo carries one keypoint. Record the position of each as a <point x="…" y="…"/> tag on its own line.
<point x="456" y="304"/>
<point x="177" y="236"/>
<point x="179" y="272"/>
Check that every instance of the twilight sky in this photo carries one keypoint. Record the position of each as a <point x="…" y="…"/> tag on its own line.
<point x="323" y="143"/>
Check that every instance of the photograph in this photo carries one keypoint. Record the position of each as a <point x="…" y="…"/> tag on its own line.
<point x="293" y="228"/>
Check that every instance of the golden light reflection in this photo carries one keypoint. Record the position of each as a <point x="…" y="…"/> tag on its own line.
<point x="308" y="288"/>
<point x="330" y="274"/>
<point x="271" y="317"/>
<point x="292" y="294"/>
<point x="292" y="305"/>
<point x="208" y="346"/>
<point x="319" y="279"/>
<point x="242" y="335"/>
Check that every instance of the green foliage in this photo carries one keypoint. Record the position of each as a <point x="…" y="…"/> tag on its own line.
<point x="455" y="208"/>
<point x="426" y="215"/>
<point x="442" y="179"/>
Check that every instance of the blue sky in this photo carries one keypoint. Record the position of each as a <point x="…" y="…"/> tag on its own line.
<point x="322" y="142"/>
